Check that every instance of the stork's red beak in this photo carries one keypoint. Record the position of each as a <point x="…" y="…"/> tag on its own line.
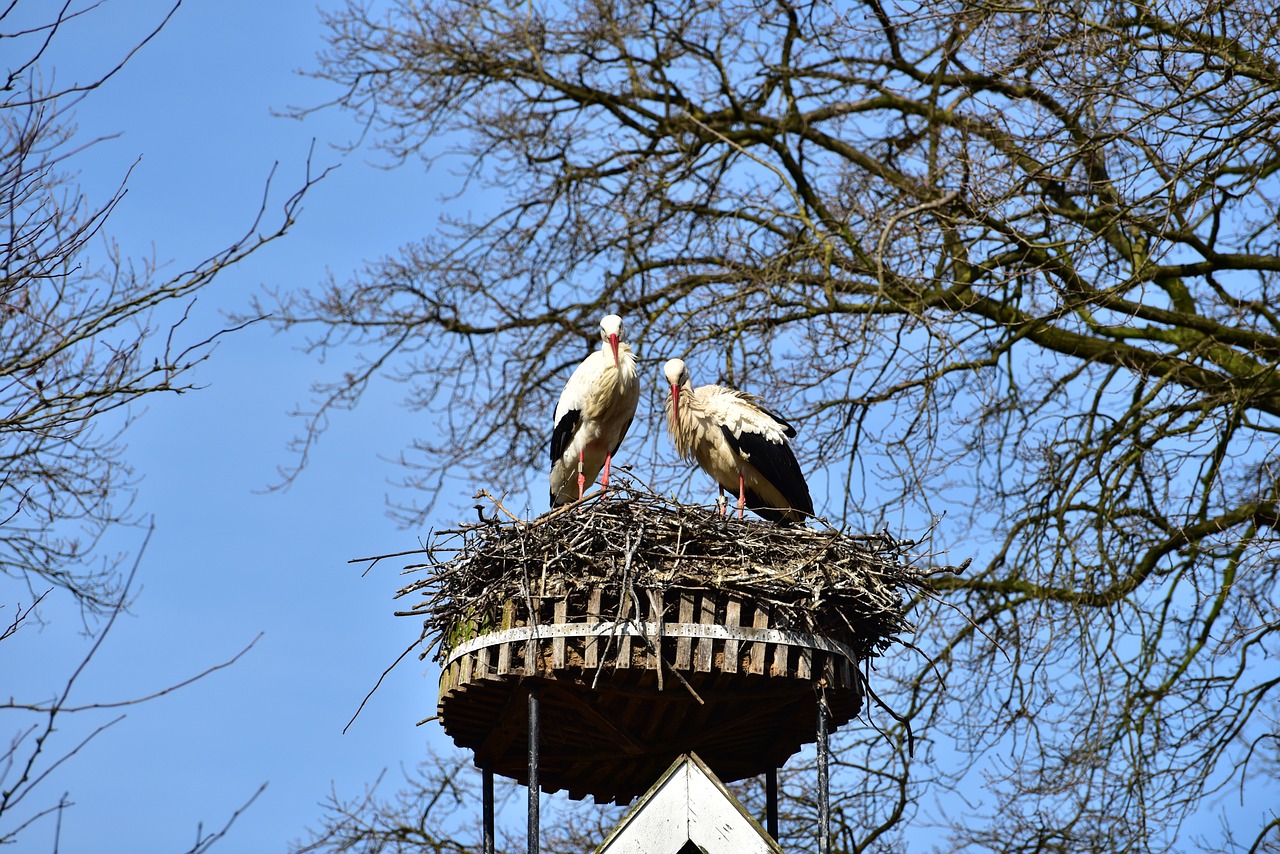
<point x="613" y="342"/>
<point x="675" y="404"/>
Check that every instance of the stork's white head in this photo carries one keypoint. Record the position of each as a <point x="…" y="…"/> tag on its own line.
<point x="676" y="372"/>
<point x="677" y="375"/>
<point x="611" y="334"/>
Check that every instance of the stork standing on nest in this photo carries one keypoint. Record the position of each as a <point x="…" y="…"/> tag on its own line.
<point x="740" y="443"/>
<point x="594" y="412"/>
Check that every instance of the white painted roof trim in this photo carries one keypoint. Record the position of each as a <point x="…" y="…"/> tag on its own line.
<point x="688" y="802"/>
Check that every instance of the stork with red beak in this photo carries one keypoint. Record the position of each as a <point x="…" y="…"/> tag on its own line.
<point x="740" y="443"/>
<point x="594" y="412"/>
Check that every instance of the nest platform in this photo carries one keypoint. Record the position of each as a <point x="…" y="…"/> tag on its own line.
<point x="651" y="629"/>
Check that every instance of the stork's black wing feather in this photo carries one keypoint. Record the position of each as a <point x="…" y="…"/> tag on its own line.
<point x="777" y="463"/>
<point x="562" y="435"/>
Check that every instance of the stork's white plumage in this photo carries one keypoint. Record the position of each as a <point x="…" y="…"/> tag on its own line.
<point x="740" y="443"/>
<point x="594" y="412"/>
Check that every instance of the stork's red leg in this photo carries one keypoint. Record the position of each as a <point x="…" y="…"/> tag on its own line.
<point x="742" y="496"/>
<point x="604" y="484"/>
<point x="582" y="480"/>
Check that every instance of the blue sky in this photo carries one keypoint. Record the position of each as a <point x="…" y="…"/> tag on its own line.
<point x="228" y="562"/>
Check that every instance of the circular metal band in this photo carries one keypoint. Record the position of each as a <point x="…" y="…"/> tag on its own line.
<point x="652" y="631"/>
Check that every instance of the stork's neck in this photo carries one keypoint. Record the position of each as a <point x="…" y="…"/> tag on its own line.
<point x="684" y="431"/>
<point x="624" y="372"/>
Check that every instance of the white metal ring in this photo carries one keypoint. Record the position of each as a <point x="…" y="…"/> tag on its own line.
<point x="651" y="630"/>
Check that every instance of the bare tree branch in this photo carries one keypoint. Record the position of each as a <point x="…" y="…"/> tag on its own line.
<point x="1015" y="263"/>
<point x="82" y="334"/>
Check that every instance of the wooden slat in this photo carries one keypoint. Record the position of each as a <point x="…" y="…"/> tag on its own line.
<point x="684" y="645"/>
<point x="623" y="644"/>
<point x="446" y="679"/>
<point x="732" y="618"/>
<point x="530" y="663"/>
<point x="654" y="662"/>
<point x="467" y="661"/>
<point x="706" y="646"/>
<point x="504" y="659"/>
<point x="557" y="643"/>
<point x="593" y="646"/>
<point x="780" y="653"/>
<point x="804" y="664"/>
<point x="504" y="650"/>
<point x="482" y="663"/>
<point x="828" y="674"/>
<point x="761" y="621"/>
<point x="532" y="652"/>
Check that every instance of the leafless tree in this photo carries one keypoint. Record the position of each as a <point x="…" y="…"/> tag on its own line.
<point x="79" y="339"/>
<point x="39" y="746"/>
<point x="436" y="812"/>
<point x="1012" y="262"/>
<point x="87" y="331"/>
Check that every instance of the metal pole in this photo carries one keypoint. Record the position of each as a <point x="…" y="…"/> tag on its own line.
<point x="534" y="727"/>
<point x="487" y="784"/>
<point x="824" y="793"/>
<point x="771" y="802"/>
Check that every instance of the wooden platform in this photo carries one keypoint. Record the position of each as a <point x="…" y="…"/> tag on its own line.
<point x="733" y="686"/>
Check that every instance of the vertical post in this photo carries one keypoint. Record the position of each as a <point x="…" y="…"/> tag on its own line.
<point x="534" y="727"/>
<point x="824" y="792"/>
<point x="771" y="802"/>
<point x="487" y="784"/>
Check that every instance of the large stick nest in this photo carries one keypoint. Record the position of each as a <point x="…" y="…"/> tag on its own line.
<point x="818" y="580"/>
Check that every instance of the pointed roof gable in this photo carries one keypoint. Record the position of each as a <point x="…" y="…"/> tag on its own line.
<point x="688" y="810"/>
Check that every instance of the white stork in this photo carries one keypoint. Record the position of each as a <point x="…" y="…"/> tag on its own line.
<point x="740" y="443"/>
<point x="594" y="412"/>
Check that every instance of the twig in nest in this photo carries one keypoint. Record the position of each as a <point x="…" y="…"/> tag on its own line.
<point x="497" y="502"/>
